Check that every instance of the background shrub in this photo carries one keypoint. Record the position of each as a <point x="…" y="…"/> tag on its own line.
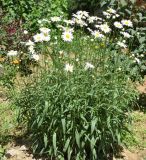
<point x="29" y="12"/>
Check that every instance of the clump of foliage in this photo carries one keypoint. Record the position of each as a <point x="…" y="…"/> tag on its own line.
<point x="79" y="101"/>
<point x="31" y="11"/>
<point x="79" y="114"/>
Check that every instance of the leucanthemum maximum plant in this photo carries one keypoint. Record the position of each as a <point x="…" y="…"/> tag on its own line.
<point x="74" y="109"/>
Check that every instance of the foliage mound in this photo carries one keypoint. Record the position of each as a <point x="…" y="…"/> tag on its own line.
<point x="79" y="112"/>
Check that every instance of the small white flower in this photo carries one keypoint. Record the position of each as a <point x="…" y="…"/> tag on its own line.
<point x="31" y="49"/>
<point x="113" y="17"/>
<point x="105" y="28"/>
<point x="137" y="60"/>
<point x="45" y="37"/>
<point x="119" y="68"/>
<point x="71" y="22"/>
<point x="92" y="19"/>
<point x="126" y="34"/>
<point x="45" y="30"/>
<point x="127" y="23"/>
<point x="97" y="34"/>
<point x="38" y="37"/>
<point x="77" y="59"/>
<point x="25" y="32"/>
<point x="82" y="14"/>
<point x="89" y="66"/>
<point x="110" y="10"/>
<point x="80" y="22"/>
<point x="12" y="53"/>
<point x="35" y="57"/>
<point x="117" y="15"/>
<point x="55" y="19"/>
<point x="106" y="14"/>
<point x="142" y="55"/>
<point x="118" y="25"/>
<point x="66" y="29"/>
<point x="39" y="21"/>
<point x="45" y="20"/>
<point x="124" y="41"/>
<point x="69" y="67"/>
<point x="67" y="36"/>
<point x="97" y="26"/>
<point x="121" y="44"/>
<point x="29" y="43"/>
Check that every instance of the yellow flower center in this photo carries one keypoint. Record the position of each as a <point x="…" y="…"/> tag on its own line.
<point x="67" y="36"/>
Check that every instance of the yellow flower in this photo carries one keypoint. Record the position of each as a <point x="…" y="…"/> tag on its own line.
<point x="16" y="61"/>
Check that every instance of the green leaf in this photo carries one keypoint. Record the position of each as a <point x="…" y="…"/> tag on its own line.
<point x="66" y="145"/>
<point x="93" y="123"/>
<point x="63" y="126"/>
<point x="142" y="39"/>
<point x="45" y="140"/>
<point x="77" y="137"/>
<point x="69" y="152"/>
<point x="54" y="144"/>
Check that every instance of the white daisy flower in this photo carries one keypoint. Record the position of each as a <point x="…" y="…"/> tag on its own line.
<point x="110" y="10"/>
<point x="66" y="29"/>
<point x="38" y="37"/>
<point x="71" y="22"/>
<point x="105" y="28"/>
<point x="118" y="25"/>
<point x="106" y="13"/>
<point x="35" y="57"/>
<point x="77" y="16"/>
<point x="12" y="53"/>
<point x="83" y="14"/>
<point x="80" y="22"/>
<point x="89" y="66"/>
<point x="45" y="30"/>
<point x="92" y="19"/>
<point x="46" y="37"/>
<point x="126" y="34"/>
<point x="67" y="36"/>
<point x="68" y="67"/>
<point x="121" y="44"/>
<point x="29" y="43"/>
<point x="97" y="34"/>
<point x="127" y="23"/>
<point x="55" y="19"/>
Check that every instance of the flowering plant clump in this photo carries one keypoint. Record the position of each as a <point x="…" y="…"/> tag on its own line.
<point x="79" y="105"/>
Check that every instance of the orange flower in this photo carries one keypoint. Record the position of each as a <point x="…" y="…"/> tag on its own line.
<point x="15" y="61"/>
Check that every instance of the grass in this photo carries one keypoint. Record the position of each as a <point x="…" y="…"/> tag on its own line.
<point x="8" y="122"/>
<point x="137" y="140"/>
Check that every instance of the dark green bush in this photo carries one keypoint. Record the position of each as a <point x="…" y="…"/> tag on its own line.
<point x="31" y="11"/>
